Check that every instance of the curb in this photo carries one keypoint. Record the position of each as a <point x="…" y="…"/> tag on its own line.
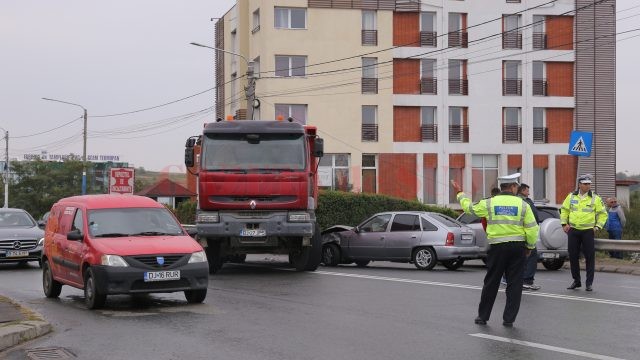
<point x="629" y="270"/>
<point x="18" y="332"/>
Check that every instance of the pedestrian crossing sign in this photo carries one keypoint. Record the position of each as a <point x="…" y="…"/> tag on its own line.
<point x="580" y="143"/>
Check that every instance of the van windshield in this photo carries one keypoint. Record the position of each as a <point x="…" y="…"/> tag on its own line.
<point x="132" y="222"/>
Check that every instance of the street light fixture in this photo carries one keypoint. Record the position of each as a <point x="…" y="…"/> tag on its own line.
<point x="250" y="90"/>
<point x="84" y="144"/>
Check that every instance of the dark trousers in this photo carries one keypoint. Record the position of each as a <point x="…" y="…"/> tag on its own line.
<point x="530" y="267"/>
<point x="582" y="240"/>
<point x="505" y="258"/>
<point x="615" y="235"/>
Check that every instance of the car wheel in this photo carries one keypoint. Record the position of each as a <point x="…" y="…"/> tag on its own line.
<point x="195" y="296"/>
<point x="454" y="264"/>
<point x="51" y="287"/>
<point x="553" y="264"/>
<point x="424" y="258"/>
<point x="362" y="263"/>
<point x="93" y="298"/>
<point x="331" y="255"/>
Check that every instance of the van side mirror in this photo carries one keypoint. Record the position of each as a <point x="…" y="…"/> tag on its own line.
<point x="75" y="235"/>
<point x="318" y="147"/>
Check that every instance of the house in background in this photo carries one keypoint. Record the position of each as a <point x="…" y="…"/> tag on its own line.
<point x="168" y="192"/>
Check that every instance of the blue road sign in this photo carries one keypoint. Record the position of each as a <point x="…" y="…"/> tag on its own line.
<point x="580" y="143"/>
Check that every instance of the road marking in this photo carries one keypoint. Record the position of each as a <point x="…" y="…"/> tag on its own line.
<point x="546" y="347"/>
<point x="474" y="287"/>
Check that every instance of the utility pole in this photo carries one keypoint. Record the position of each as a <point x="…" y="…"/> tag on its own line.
<point x="6" y="169"/>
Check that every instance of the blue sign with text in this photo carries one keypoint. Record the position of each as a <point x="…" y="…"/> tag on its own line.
<point x="580" y="143"/>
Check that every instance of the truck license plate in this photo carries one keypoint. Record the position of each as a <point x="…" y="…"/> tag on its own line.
<point x="162" y="275"/>
<point x="253" y="232"/>
<point x="549" y="255"/>
<point x="17" y="253"/>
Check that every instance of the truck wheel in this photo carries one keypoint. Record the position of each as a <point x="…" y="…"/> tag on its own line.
<point x="553" y="264"/>
<point x="93" y="298"/>
<point x="213" y="256"/>
<point x="195" y="296"/>
<point x="51" y="287"/>
<point x="307" y="258"/>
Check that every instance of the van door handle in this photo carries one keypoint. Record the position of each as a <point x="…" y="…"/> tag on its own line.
<point x="414" y="236"/>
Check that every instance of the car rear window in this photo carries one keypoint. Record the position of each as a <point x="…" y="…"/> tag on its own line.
<point x="466" y="218"/>
<point x="445" y="220"/>
<point x="548" y="213"/>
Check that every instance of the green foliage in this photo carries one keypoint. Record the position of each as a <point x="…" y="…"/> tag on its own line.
<point x="186" y="212"/>
<point x="345" y="208"/>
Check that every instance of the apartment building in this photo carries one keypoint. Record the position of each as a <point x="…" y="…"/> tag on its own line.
<point x="410" y="94"/>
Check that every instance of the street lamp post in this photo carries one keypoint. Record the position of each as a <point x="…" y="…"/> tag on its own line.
<point x="84" y="144"/>
<point x="6" y="169"/>
<point x="250" y="90"/>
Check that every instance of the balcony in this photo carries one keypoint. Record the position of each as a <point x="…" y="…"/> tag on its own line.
<point x="540" y="135"/>
<point x="429" y="132"/>
<point x="458" y="87"/>
<point x="539" y="41"/>
<point x="428" y="38"/>
<point x="429" y="86"/>
<point x="512" y="87"/>
<point x="512" y="40"/>
<point x="512" y="134"/>
<point x="370" y="37"/>
<point x="458" y="39"/>
<point x="369" y="85"/>
<point x="459" y="133"/>
<point x="539" y="87"/>
<point x="369" y="132"/>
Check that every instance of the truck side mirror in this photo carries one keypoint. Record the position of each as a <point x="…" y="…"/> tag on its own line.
<point x="188" y="156"/>
<point x="318" y="147"/>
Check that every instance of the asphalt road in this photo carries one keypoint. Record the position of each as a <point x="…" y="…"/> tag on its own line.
<point x="263" y="310"/>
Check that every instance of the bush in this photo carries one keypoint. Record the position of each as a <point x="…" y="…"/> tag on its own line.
<point x="186" y="212"/>
<point x="345" y="208"/>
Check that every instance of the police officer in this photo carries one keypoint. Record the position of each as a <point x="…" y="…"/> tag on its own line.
<point x="581" y="215"/>
<point x="511" y="232"/>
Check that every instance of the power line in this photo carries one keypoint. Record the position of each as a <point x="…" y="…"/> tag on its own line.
<point x="46" y="131"/>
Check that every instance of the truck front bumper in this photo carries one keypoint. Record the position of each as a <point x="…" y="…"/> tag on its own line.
<point x="267" y="224"/>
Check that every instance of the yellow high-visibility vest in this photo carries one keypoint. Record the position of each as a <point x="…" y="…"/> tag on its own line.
<point x="583" y="213"/>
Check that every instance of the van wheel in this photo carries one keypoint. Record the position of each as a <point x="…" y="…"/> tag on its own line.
<point x="424" y="258"/>
<point x="51" y="287"/>
<point x="553" y="264"/>
<point x="454" y="264"/>
<point x="93" y="299"/>
<point x="195" y="296"/>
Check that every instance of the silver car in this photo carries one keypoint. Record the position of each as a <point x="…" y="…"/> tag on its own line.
<point x="20" y="238"/>
<point x="418" y="237"/>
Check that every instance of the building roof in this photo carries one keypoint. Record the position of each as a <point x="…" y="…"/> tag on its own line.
<point x="166" y="187"/>
<point x="627" y="182"/>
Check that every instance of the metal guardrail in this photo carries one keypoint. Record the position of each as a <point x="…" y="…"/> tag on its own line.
<point x="617" y="245"/>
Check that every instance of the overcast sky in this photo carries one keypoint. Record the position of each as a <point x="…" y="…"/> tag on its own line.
<point x="119" y="56"/>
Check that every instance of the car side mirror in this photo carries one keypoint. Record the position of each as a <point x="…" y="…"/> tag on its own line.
<point x="75" y="235"/>
<point x="318" y="148"/>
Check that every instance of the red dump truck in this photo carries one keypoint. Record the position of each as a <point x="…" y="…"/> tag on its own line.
<point x="257" y="190"/>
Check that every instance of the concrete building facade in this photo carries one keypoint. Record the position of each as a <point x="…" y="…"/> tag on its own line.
<point x="410" y="94"/>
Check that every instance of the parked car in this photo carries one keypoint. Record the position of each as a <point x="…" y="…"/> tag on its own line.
<point x="120" y="244"/>
<point x="551" y="243"/>
<point x="20" y="238"/>
<point x="421" y="238"/>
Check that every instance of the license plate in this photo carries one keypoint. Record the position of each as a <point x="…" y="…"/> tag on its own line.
<point x="253" y="232"/>
<point x="17" y="253"/>
<point x="467" y="238"/>
<point x="549" y="255"/>
<point x="162" y="275"/>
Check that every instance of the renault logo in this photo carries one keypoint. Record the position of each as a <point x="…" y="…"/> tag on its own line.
<point x="252" y="204"/>
<point x="17" y="245"/>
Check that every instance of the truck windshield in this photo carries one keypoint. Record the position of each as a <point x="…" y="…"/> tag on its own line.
<point x="132" y="222"/>
<point x="253" y="152"/>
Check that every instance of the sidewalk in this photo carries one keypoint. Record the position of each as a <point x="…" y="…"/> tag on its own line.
<point x="607" y="264"/>
<point x="19" y="324"/>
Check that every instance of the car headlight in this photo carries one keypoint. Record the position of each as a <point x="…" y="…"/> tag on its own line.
<point x="299" y="217"/>
<point x="113" y="260"/>
<point x="41" y="242"/>
<point x="198" y="257"/>
<point x="208" y="217"/>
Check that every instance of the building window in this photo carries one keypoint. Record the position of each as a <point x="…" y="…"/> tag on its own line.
<point x="539" y="80"/>
<point x="428" y="33"/>
<point x="429" y="185"/>
<point x="369" y="173"/>
<point x="458" y="125"/>
<point x="458" y="36"/>
<point x="287" y="66"/>
<point x="512" y="78"/>
<point x="458" y="83"/>
<point x="369" y="27"/>
<point x="369" y="123"/>
<point x="512" y="128"/>
<point x="298" y="112"/>
<point x="369" y="75"/>
<point x="290" y="18"/>
<point x="333" y="172"/>
<point x="539" y="183"/>
<point x="256" y="67"/>
<point x="256" y="21"/>
<point x="428" y="79"/>
<point x="484" y="175"/>
<point x="428" y="124"/>
<point x="539" y="32"/>
<point x="540" y="131"/>
<point x="234" y="97"/>
<point x="512" y="34"/>
<point x="457" y="175"/>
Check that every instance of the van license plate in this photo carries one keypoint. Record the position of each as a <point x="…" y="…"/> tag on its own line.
<point x="549" y="255"/>
<point x="162" y="275"/>
<point x="253" y="232"/>
<point x="17" y="253"/>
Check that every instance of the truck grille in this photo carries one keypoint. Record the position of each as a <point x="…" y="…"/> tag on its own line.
<point x="246" y="199"/>
<point x="18" y="244"/>
<point x="151" y="261"/>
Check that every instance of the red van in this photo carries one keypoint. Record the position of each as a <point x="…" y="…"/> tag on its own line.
<point x="120" y="244"/>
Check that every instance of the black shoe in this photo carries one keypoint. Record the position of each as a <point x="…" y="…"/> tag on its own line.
<point x="479" y="321"/>
<point x="589" y="288"/>
<point x="507" y="324"/>
<point x="575" y="284"/>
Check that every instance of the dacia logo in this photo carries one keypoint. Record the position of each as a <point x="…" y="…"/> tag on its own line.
<point x="253" y="204"/>
<point x="160" y="260"/>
